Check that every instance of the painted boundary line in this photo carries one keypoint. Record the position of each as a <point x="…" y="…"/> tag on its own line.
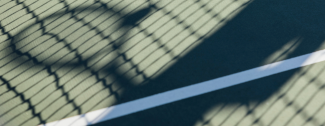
<point x="189" y="91"/>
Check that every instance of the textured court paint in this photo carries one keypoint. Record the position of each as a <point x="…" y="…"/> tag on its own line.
<point x="190" y="91"/>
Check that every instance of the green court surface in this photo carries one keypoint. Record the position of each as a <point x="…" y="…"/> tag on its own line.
<point x="162" y="63"/>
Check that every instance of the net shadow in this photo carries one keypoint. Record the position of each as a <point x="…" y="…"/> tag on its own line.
<point x="94" y="54"/>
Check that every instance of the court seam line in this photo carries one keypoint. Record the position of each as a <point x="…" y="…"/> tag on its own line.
<point x="174" y="95"/>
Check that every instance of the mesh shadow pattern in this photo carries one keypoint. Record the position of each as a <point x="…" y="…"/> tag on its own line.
<point x="64" y="58"/>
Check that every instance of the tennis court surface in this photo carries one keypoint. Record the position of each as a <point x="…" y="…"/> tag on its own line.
<point x="162" y="63"/>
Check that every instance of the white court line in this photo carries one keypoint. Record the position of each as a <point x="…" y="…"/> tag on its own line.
<point x="189" y="91"/>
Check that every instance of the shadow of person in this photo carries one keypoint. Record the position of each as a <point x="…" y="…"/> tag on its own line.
<point x="243" y="43"/>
